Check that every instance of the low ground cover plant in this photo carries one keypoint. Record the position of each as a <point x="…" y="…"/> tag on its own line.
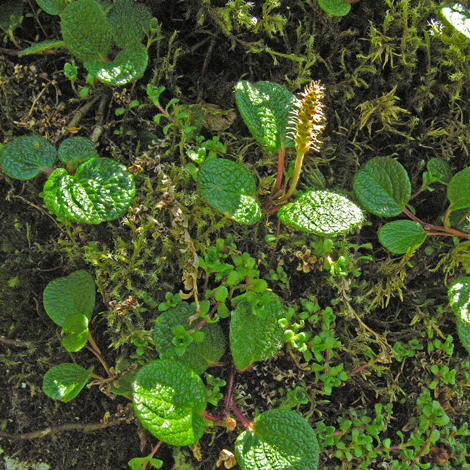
<point x="239" y="266"/>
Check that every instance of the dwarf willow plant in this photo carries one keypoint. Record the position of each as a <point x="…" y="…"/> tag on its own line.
<point x="89" y="30"/>
<point x="383" y="188"/>
<point x="168" y="394"/>
<point x="90" y="190"/>
<point x="278" y="120"/>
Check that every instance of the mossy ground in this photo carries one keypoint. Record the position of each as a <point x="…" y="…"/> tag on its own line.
<point x="392" y="89"/>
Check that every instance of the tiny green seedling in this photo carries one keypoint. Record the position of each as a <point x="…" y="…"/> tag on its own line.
<point x="93" y="189"/>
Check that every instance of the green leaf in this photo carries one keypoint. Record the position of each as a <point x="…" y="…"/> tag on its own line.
<point x="129" y="65"/>
<point x="198" y="356"/>
<point x="440" y="170"/>
<point x="459" y="298"/>
<point x="129" y="21"/>
<point x="457" y="16"/>
<point x="229" y="187"/>
<point x="26" y="156"/>
<point x="138" y="463"/>
<point x="10" y="16"/>
<point x="255" y="334"/>
<point x="335" y="7"/>
<point x="463" y="329"/>
<point x="321" y="212"/>
<point x="75" y="328"/>
<point x="280" y="439"/>
<point x="40" y="47"/>
<point x="168" y="397"/>
<point x="458" y="190"/>
<point x="76" y="150"/>
<point x="70" y="295"/>
<point x="86" y="31"/>
<point x="123" y="386"/>
<point x="100" y="190"/>
<point x="265" y="108"/>
<point x="53" y="7"/>
<point x="401" y="235"/>
<point x="382" y="187"/>
<point x="64" y="382"/>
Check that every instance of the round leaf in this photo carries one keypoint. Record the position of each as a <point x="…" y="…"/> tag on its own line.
<point x="198" y="356"/>
<point x="335" y="7"/>
<point x="86" y="31"/>
<point x="76" y="150"/>
<point x="463" y="329"/>
<point x="70" y="295"/>
<point x="168" y="397"/>
<point x="458" y="16"/>
<point x="459" y="298"/>
<point x="129" y="21"/>
<point x="255" y="334"/>
<point x="280" y="439"/>
<point x="53" y="7"/>
<point x="440" y="169"/>
<point x="229" y="187"/>
<point x="401" y="235"/>
<point x="76" y="332"/>
<point x="458" y="190"/>
<point x="321" y="212"/>
<point x="265" y="108"/>
<point x="382" y="187"/>
<point x="26" y="156"/>
<point x="129" y="65"/>
<point x="64" y="382"/>
<point x="101" y="189"/>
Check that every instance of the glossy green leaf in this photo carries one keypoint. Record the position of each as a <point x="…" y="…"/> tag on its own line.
<point x="321" y="212"/>
<point x="335" y="7"/>
<point x="229" y="187"/>
<point x="265" y="108"/>
<point x="458" y="190"/>
<point x="100" y="190"/>
<point x="10" y="15"/>
<point x="40" y="47"/>
<point x="129" y="65"/>
<point x="440" y="170"/>
<point x="138" y="463"/>
<point x="280" y="440"/>
<point x="26" y="156"/>
<point x="86" y="31"/>
<point x="76" y="150"/>
<point x="129" y="21"/>
<point x="64" y="382"/>
<point x="255" y="334"/>
<point x="198" y="356"/>
<point x="70" y="295"/>
<point x="463" y="329"/>
<point x="168" y="397"/>
<point x="459" y="298"/>
<point x="53" y="7"/>
<point x="458" y="16"/>
<point x="401" y="235"/>
<point x="382" y="187"/>
<point x="75" y="330"/>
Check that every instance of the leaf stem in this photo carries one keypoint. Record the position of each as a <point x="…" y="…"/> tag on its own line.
<point x="295" y="178"/>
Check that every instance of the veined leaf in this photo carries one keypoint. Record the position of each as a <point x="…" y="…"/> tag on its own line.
<point x="26" y="156"/>
<point x="335" y="7"/>
<point x="401" y="235"/>
<point x="53" y="7"/>
<point x="229" y="187"/>
<point x="458" y="190"/>
<point x="382" y="187"/>
<point x="280" y="439"/>
<point x="440" y="170"/>
<point x="265" y="108"/>
<point x="76" y="150"/>
<point x="459" y="298"/>
<point x="129" y="65"/>
<point x="321" y="212"/>
<point x="168" y="397"/>
<point x="86" y="31"/>
<point x="75" y="330"/>
<point x="463" y="329"/>
<point x="100" y="190"/>
<point x="64" y="382"/>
